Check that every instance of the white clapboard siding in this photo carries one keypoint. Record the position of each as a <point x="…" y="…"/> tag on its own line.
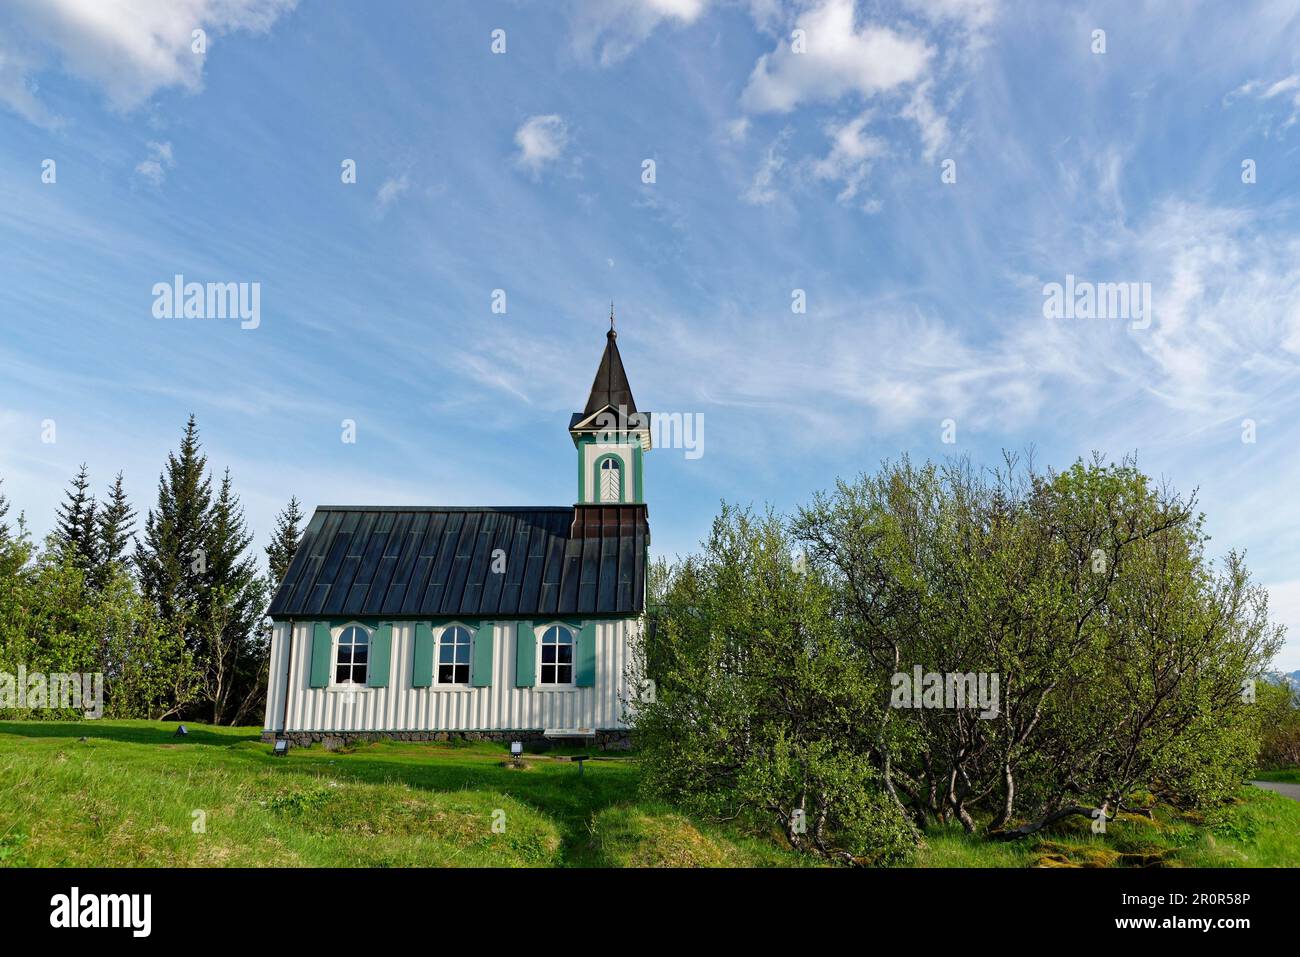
<point x="400" y="707"/>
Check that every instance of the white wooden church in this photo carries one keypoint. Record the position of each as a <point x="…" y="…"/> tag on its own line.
<point x="507" y="623"/>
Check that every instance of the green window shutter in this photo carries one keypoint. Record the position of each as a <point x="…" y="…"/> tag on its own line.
<point x="481" y="669"/>
<point x="584" y="665"/>
<point x="422" y="667"/>
<point x="381" y="648"/>
<point x="322" y="654"/>
<point x="526" y="656"/>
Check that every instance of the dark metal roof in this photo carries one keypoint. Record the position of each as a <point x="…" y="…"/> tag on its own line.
<point x="428" y="562"/>
<point x="610" y="388"/>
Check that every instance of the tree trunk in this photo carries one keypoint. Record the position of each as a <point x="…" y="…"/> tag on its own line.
<point x="1033" y="827"/>
<point x="958" y="808"/>
<point x="1009" y="799"/>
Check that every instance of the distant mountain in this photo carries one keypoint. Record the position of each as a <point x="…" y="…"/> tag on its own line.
<point x="1291" y="678"/>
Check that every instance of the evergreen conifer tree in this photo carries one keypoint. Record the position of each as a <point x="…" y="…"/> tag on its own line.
<point x="171" y="554"/>
<point x="75" y="533"/>
<point x="116" y="524"/>
<point x="284" y="540"/>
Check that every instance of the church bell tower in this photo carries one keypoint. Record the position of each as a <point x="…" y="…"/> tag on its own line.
<point x="611" y="436"/>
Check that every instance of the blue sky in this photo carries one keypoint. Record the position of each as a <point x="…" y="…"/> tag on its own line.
<point x="775" y="171"/>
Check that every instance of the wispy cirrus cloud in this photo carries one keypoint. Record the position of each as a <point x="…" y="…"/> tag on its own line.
<point x="390" y="190"/>
<point x="762" y="188"/>
<point x="1226" y="329"/>
<point x="153" y="168"/>
<point x="850" y="157"/>
<point x="1285" y="91"/>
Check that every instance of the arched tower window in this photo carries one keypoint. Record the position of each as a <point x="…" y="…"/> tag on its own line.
<point x="609" y="480"/>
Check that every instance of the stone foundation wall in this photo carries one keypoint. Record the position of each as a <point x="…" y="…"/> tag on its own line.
<point x="534" y="740"/>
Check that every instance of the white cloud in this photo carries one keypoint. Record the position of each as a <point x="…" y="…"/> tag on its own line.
<point x="154" y="167"/>
<point x="897" y="66"/>
<point x="930" y="123"/>
<point x="1268" y="91"/>
<point x="841" y="57"/>
<point x="391" y="189"/>
<point x="1288" y="87"/>
<point x="1226" y="290"/>
<point x="611" y="29"/>
<point x="850" y="156"/>
<point x="541" y="140"/>
<point x="129" y="48"/>
<point x="738" y="129"/>
<point x="761" y="191"/>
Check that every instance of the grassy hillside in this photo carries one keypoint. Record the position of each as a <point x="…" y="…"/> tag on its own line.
<point x="128" y="793"/>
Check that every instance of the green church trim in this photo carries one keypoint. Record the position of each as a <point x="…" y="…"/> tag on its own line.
<point x="638" y="492"/>
<point x="629" y="455"/>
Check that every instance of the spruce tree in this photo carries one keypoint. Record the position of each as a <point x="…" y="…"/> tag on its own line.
<point x="228" y="538"/>
<point x="171" y="555"/>
<point x="116" y="525"/>
<point x="233" y="656"/>
<point x="284" y="541"/>
<point x="75" y="528"/>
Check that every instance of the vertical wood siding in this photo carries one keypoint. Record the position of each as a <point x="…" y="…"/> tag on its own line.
<point x="400" y="707"/>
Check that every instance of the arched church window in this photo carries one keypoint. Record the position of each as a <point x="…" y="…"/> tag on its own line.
<point x="351" y="655"/>
<point x="611" y="480"/>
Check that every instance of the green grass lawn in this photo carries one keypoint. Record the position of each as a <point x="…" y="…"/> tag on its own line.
<point x="1258" y="829"/>
<point x="129" y="793"/>
<point x="126" y="796"/>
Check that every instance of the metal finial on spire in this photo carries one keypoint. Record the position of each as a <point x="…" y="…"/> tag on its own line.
<point x="612" y="331"/>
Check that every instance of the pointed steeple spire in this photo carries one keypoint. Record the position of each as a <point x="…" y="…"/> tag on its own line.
<point x="610" y="388"/>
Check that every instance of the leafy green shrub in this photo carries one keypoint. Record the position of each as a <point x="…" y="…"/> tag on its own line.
<point x="763" y="707"/>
